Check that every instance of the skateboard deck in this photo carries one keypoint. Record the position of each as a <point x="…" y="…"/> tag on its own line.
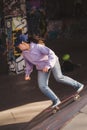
<point x="66" y="101"/>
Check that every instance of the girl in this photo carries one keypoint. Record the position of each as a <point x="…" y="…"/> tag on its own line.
<point x="45" y="61"/>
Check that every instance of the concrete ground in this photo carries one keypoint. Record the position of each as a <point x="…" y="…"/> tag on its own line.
<point x="78" y="122"/>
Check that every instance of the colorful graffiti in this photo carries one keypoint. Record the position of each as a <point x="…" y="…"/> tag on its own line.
<point x="15" y="24"/>
<point x="19" y="26"/>
<point x="14" y="27"/>
<point x="10" y="47"/>
<point x="15" y="19"/>
<point x="19" y="23"/>
<point x="11" y="7"/>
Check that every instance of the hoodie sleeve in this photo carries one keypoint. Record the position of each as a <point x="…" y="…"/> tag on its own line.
<point x="28" y="67"/>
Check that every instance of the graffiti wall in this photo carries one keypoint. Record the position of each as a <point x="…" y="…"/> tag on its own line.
<point x="15" y="24"/>
<point x="36" y="17"/>
<point x="11" y="7"/>
<point x="14" y="27"/>
<point x="34" y="3"/>
<point x="19" y="26"/>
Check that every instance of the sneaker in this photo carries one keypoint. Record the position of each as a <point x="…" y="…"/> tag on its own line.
<point x="80" y="89"/>
<point x="56" y="103"/>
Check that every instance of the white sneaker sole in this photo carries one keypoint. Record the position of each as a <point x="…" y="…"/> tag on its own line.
<point x="80" y="89"/>
<point x="56" y="104"/>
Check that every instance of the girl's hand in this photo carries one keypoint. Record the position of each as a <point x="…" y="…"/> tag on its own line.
<point x="45" y="70"/>
<point x="27" y="78"/>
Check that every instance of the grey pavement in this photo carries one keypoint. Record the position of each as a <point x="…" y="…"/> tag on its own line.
<point x="78" y="122"/>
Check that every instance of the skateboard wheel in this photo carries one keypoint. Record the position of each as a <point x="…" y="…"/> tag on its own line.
<point x="76" y="97"/>
<point x="55" y="109"/>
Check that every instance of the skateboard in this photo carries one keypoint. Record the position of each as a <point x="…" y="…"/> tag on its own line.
<point x="66" y="101"/>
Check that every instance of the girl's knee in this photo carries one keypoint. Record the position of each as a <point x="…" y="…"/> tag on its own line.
<point x="43" y="87"/>
<point x="59" y="78"/>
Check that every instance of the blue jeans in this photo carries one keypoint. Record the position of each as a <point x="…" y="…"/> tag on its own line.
<point x="43" y="80"/>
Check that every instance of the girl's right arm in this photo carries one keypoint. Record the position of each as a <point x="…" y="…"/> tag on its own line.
<point x="28" y="69"/>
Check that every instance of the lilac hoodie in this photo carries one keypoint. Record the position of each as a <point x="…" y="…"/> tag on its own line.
<point x="40" y="56"/>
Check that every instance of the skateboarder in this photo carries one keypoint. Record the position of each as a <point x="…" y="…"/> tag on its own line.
<point x="45" y="61"/>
